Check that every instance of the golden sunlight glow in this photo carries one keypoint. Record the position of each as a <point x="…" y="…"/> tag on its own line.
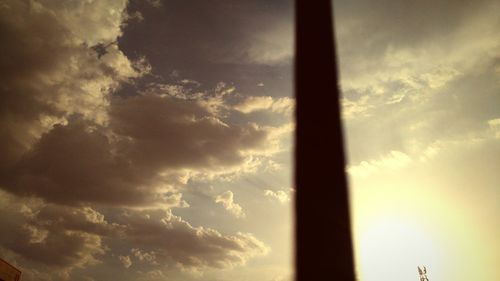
<point x="400" y="224"/>
<point x="390" y="249"/>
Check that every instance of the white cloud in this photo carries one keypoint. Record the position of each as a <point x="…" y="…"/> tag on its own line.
<point x="125" y="260"/>
<point x="390" y="162"/>
<point x="145" y="256"/>
<point x="279" y="195"/>
<point x="260" y="103"/>
<point x="83" y="237"/>
<point x="226" y="199"/>
<point x="495" y="126"/>
<point x="357" y="108"/>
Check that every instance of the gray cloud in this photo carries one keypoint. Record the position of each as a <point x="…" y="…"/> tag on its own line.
<point x="373" y="26"/>
<point x="163" y="238"/>
<point x="201" y="139"/>
<point x="94" y="157"/>
<point x="59" y="237"/>
<point x="72" y="164"/>
<point x="62" y="116"/>
<point x="260" y="31"/>
<point x="48" y="71"/>
<point x="243" y="42"/>
<point x="425" y="73"/>
<point x="127" y="165"/>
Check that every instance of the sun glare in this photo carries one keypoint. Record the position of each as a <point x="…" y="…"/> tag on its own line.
<point x="391" y="248"/>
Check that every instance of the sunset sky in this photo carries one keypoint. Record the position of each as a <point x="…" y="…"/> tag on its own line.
<point x="152" y="140"/>
<point x="421" y="85"/>
<point x="146" y="140"/>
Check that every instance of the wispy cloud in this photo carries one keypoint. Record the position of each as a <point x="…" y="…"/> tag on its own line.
<point x="279" y="195"/>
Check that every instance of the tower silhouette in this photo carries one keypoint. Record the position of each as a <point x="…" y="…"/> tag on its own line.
<point x="422" y="271"/>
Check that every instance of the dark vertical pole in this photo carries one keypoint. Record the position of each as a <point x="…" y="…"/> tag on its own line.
<point x="323" y="233"/>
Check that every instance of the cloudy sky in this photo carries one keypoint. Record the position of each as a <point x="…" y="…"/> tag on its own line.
<point x="151" y="140"/>
<point x="146" y="140"/>
<point x="421" y="100"/>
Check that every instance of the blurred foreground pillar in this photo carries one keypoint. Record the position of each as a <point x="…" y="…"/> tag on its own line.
<point x="323" y="233"/>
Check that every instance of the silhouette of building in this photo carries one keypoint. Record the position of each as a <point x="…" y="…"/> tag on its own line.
<point x="8" y="272"/>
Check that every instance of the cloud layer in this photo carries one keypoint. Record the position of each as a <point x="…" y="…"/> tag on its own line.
<point x="96" y="159"/>
<point x="432" y="76"/>
<point x="420" y="94"/>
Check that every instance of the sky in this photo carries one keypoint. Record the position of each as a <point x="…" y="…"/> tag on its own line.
<point x="421" y="96"/>
<point x="146" y="140"/>
<point x="152" y="140"/>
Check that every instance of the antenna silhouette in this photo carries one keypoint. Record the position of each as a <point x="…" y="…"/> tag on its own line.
<point x="422" y="271"/>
